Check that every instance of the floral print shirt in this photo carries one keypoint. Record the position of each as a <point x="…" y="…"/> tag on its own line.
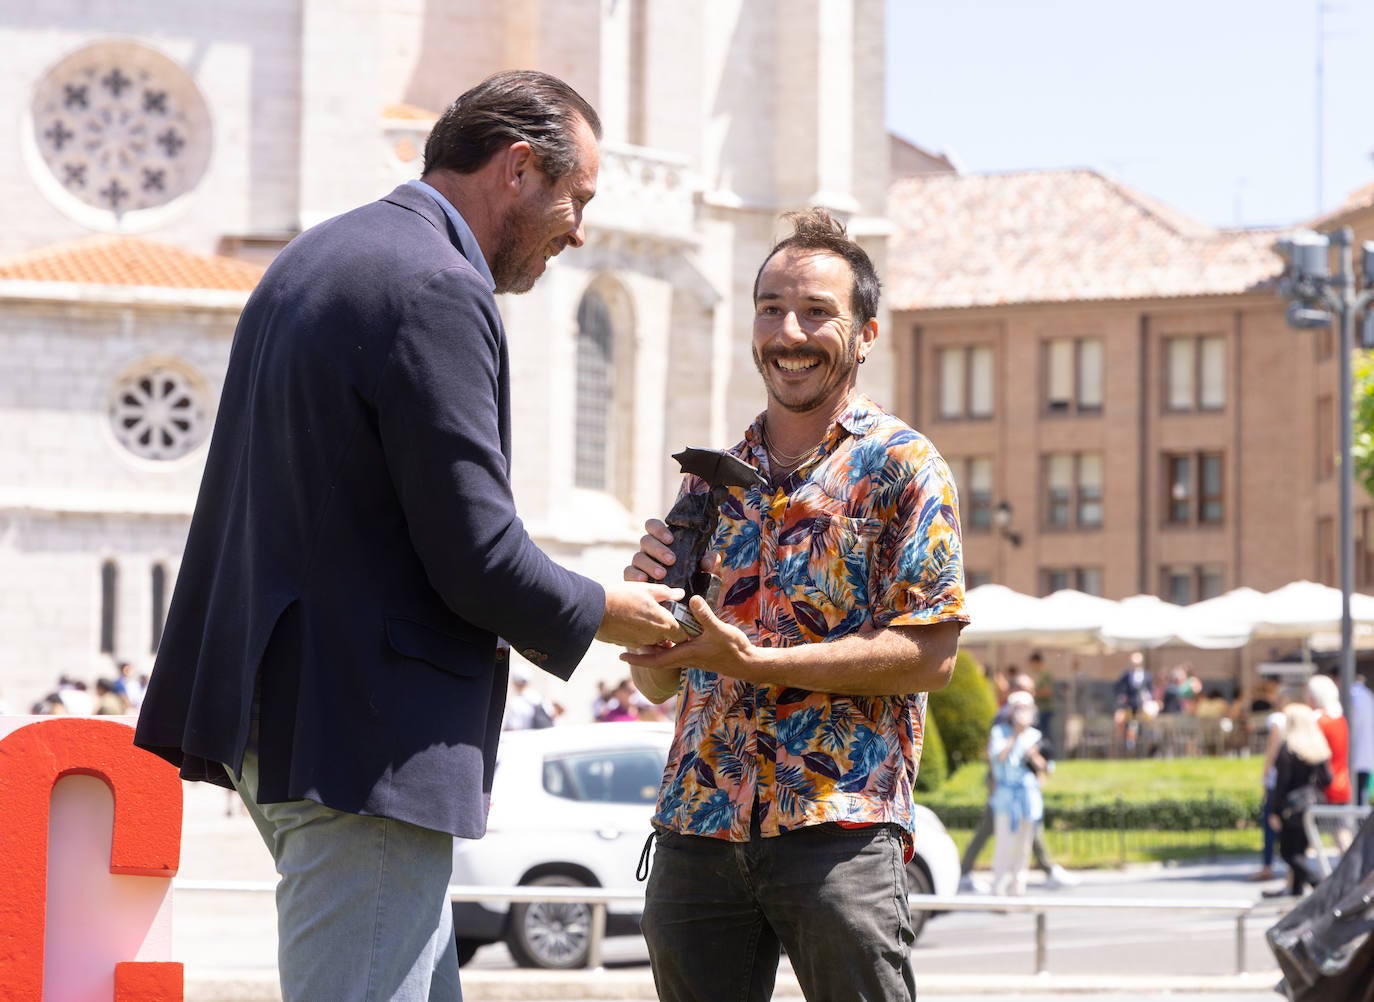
<point x="866" y="530"/>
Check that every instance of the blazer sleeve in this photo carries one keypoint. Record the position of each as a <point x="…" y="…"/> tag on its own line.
<point x="440" y="423"/>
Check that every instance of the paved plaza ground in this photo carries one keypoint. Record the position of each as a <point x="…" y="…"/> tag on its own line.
<point x="228" y="942"/>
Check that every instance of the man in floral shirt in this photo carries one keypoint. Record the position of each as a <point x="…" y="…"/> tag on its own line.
<point x="784" y="819"/>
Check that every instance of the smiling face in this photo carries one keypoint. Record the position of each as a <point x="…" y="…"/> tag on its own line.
<point x="805" y="344"/>
<point x="546" y="218"/>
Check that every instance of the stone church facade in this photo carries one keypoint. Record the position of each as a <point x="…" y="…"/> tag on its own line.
<point x="166" y="151"/>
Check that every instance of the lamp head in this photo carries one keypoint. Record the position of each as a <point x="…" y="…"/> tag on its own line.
<point x="1307" y="253"/>
<point x="1306" y="318"/>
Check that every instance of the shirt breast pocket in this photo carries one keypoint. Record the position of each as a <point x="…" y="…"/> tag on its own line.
<point x="823" y="571"/>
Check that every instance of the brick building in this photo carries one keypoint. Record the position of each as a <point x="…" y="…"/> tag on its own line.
<point x="1117" y="390"/>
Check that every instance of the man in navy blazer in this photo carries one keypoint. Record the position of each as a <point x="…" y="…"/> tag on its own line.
<point x="335" y="646"/>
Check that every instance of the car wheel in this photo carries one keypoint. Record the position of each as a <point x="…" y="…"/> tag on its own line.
<point x="550" y="934"/>
<point x="918" y="882"/>
<point x="467" y="949"/>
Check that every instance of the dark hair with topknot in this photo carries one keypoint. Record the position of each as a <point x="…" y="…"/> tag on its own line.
<point x="506" y="108"/>
<point x="817" y="230"/>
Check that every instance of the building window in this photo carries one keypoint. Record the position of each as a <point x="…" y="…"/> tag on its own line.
<point x="966" y="382"/>
<point x="1184" y="585"/>
<point x="1195" y="373"/>
<point x="1073" y="375"/>
<point x="1073" y="490"/>
<point x="1195" y="488"/>
<point x="1084" y="579"/>
<point x="109" y="590"/>
<point x="1326" y="433"/>
<point x="595" y="392"/>
<point x="974" y="579"/>
<point x="159" y="410"/>
<point x="159" y="586"/>
<point x="973" y="477"/>
<point x="120" y="129"/>
<point x="1326" y="551"/>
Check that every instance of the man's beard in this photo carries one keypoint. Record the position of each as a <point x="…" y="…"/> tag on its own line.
<point x="517" y="251"/>
<point x="841" y="375"/>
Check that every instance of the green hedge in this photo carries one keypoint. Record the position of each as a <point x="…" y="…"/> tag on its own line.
<point x="1215" y="813"/>
<point x="934" y="768"/>
<point x="963" y="712"/>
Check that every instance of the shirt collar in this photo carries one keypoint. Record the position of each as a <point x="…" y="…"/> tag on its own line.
<point x="858" y="418"/>
<point x="466" y="241"/>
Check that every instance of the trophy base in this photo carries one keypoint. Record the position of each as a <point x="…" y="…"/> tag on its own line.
<point x="684" y="616"/>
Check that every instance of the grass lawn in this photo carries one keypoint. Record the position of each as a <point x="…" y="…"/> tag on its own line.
<point x="1134" y="780"/>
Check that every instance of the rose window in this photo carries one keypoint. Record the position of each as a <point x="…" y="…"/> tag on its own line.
<point x="159" y="413"/>
<point x="121" y="128"/>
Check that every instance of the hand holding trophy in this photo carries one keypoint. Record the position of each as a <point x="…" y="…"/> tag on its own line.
<point x="693" y="522"/>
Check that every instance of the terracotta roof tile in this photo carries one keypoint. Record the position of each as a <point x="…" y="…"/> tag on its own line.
<point x="1056" y="236"/>
<point x="408" y="111"/>
<point x="130" y="261"/>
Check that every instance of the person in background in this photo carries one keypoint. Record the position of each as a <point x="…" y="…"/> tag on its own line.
<point x="1324" y="697"/>
<point x="1273" y="742"/>
<point x="621" y="706"/>
<point x="1362" y="738"/>
<point x="1044" y="695"/>
<point x="108" y="702"/>
<point x="1134" y="692"/>
<point x="1002" y="683"/>
<point x="1017" y="808"/>
<point x="1302" y="770"/>
<point x="1055" y="875"/>
<point x="128" y="685"/>
<point x="75" y="697"/>
<point x="526" y="709"/>
<point x="1175" y="691"/>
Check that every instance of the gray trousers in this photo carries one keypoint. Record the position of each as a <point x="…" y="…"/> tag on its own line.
<point x="362" y="905"/>
<point x="717" y="914"/>
<point x="983" y="832"/>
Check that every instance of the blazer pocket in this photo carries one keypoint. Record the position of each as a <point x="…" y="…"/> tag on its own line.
<point x="455" y="655"/>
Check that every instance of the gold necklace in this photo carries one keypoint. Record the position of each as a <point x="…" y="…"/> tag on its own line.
<point x="780" y="458"/>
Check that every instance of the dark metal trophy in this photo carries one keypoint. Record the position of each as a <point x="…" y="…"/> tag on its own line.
<point x="693" y="521"/>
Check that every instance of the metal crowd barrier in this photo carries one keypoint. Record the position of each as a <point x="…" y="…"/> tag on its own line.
<point x="599" y="898"/>
<point x="1339" y="822"/>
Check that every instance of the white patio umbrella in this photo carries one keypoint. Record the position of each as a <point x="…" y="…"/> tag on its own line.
<point x="1305" y="607"/>
<point x="1074" y="618"/>
<point x="1144" y="621"/>
<point x="997" y="614"/>
<point x="1228" y="620"/>
<point x="1141" y="621"/>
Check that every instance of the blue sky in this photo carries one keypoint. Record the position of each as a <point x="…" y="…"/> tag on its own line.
<point x="1209" y="106"/>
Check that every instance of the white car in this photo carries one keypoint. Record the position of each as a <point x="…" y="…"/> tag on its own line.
<point x="570" y="806"/>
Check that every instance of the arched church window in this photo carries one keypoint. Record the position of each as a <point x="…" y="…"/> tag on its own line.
<point x="595" y="393"/>
<point x="159" y="596"/>
<point x="119" y="129"/>
<point x="109" y="590"/>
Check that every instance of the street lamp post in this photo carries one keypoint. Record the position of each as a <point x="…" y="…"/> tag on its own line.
<point x="1316" y="295"/>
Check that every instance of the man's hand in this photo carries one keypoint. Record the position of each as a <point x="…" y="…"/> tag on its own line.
<point x="635" y="616"/>
<point x="720" y="648"/>
<point x="655" y="553"/>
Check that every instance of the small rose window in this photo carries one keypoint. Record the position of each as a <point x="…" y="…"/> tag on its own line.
<point x="159" y="412"/>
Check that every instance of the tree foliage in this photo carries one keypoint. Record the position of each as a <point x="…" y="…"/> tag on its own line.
<point x="1362" y="404"/>
<point x="963" y="712"/>
<point x="934" y="764"/>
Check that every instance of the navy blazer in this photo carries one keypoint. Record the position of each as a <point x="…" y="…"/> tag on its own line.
<point x="355" y="550"/>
